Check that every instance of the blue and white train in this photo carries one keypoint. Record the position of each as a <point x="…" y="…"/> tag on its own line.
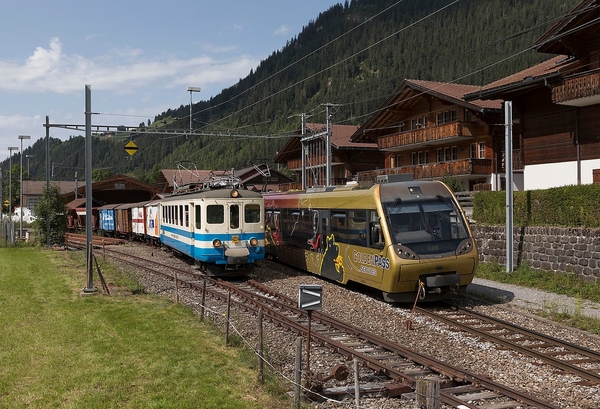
<point x="221" y="229"/>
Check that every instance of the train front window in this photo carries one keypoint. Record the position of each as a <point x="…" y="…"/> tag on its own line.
<point x="234" y="216"/>
<point x="252" y="213"/>
<point x="215" y="214"/>
<point x="425" y="221"/>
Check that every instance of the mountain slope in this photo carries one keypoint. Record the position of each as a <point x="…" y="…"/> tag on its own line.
<point x="352" y="55"/>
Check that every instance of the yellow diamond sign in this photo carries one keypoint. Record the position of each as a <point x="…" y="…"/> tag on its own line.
<point x="131" y="148"/>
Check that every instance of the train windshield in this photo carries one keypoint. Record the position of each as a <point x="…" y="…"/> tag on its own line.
<point x="434" y="220"/>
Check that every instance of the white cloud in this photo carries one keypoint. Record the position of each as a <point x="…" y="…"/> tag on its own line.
<point x="124" y="70"/>
<point x="283" y="30"/>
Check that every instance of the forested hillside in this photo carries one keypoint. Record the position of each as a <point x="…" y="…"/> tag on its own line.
<point x="352" y="55"/>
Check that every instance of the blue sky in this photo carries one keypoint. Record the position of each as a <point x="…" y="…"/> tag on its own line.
<point x="138" y="57"/>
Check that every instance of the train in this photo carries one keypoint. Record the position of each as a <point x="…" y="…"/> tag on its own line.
<point x="410" y="241"/>
<point x="220" y="227"/>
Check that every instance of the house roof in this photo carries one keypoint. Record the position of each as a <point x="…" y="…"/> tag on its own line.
<point x="340" y="140"/>
<point x="411" y="92"/>
<point x="569" y="38"/>
<point x="119" y="188"/>
<point x="531" y="77"/>
<point x="579" y="26"/>
<point x="36" y="188"/>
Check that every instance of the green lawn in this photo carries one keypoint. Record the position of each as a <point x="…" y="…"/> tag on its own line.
<point x="62" y="350"/>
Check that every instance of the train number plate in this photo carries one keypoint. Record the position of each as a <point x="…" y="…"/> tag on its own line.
<point x="235" y="239"/>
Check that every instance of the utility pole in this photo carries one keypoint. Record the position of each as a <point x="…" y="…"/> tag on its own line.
<point x="508" y="168"/>
<point x="89" y="288"/>
<point x="303" y="152"/>
<point x="328" y="174"/>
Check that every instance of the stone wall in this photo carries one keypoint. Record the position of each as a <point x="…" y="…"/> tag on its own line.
<point x="566" y="250"/>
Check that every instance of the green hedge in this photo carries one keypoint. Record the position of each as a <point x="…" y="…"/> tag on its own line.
<point x="567" y="206"/>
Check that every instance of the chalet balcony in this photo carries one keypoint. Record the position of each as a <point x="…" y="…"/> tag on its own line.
<point x="462" y="167"/>
<point x="579" y="90"/>
<point x="432" y="135"/>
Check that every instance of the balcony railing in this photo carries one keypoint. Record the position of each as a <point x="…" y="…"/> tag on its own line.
<point x="437" y="134"/>
<point x="580" y="90"/>
<point x="434" y="170"/>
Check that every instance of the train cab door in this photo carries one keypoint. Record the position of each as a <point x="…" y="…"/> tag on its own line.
<point x="331" y="265"/>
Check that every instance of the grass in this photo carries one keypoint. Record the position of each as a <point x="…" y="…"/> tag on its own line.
<point x="567" y="284"/>
<point x="62" y="350"/>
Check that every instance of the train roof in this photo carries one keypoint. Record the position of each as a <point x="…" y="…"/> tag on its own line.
<point x="215" y="194"/>
<point x="406" y="190"/>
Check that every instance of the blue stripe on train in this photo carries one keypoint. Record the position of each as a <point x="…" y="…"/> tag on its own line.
<point x="207" y="254"/>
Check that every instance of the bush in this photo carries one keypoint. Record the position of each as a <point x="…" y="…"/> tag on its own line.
<point x="566" y="206"/>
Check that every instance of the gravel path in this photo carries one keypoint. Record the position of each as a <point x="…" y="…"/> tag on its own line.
<point x="532" y="300"/>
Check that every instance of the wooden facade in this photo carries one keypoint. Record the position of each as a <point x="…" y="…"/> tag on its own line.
<point x="347" y="159"/>
<point x="557" y="103"/>
<point x="427" y="130"/>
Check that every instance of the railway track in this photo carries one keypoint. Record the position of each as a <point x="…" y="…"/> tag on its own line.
<point x="79" y="241"/>
<point x="562" y="355"/>
<point x="401" y="366"/>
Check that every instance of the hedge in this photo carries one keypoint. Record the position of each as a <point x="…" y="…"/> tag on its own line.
<point x="567" y="206"/>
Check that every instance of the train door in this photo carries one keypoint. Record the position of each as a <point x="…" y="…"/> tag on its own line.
<point x="233" y="223"/>
<point x="331" y="266"/>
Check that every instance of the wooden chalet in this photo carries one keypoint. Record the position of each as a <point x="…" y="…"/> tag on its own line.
<point x="426" y="130"/>
<point x="556" y="105"/>
<point x="347" y="158"/>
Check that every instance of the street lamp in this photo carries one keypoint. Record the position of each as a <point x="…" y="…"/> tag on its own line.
<point x="10" y="149"/>
<point x="190" y="90"/>
<point x="28" y="172"/>
<point x="21" y="137"/>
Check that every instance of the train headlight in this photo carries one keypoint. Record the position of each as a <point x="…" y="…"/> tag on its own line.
<point x="234" y="193"/>
<point x="253" y="242"/>
<point x="217" y="243"/>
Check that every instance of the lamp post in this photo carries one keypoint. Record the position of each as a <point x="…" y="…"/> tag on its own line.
<point x="10" y="149"/>
<point x="21" y="137"/>
<point x="191" y="90"/>
<point x="28" y="172"/>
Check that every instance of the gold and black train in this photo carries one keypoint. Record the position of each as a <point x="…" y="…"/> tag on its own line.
<point x="406" y="239"/>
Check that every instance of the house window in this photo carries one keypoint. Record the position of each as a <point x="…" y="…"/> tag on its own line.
<point x="413" y="158"/>
<point x="446" y="117"/>
<point x="419" y="125"/>
<point x="454" y="153"/>
<point x="398" y="161"/>
<point x="453" y="115"/>
<point x="481" y="150"/>
<point x="473" y="153"/>
<point x="425" y="122"/>
<point x="401" y="127"/>
<point x="426" y="157"/>
<point x="447" y="154"/>
<point x="420" y="157"/>
<point x="440" y="155"/>
<point x="412" y="124"/>
<point x="468" y="115"/>
<point x="438" y="118"/>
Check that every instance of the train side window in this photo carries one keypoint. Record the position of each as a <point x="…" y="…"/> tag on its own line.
<point x="215" y="214"/>
<point x="252" y="213"/>
<point x="187" y="215"/>
<point x="180" y="222"/>
<point x="234" y="216"/>
<point x="198" y="216"/>
<point x="375" y="234"/>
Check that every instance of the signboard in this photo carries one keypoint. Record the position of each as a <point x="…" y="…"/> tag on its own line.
<point x="310" y="297"/>
<point x="131" y="148"/>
